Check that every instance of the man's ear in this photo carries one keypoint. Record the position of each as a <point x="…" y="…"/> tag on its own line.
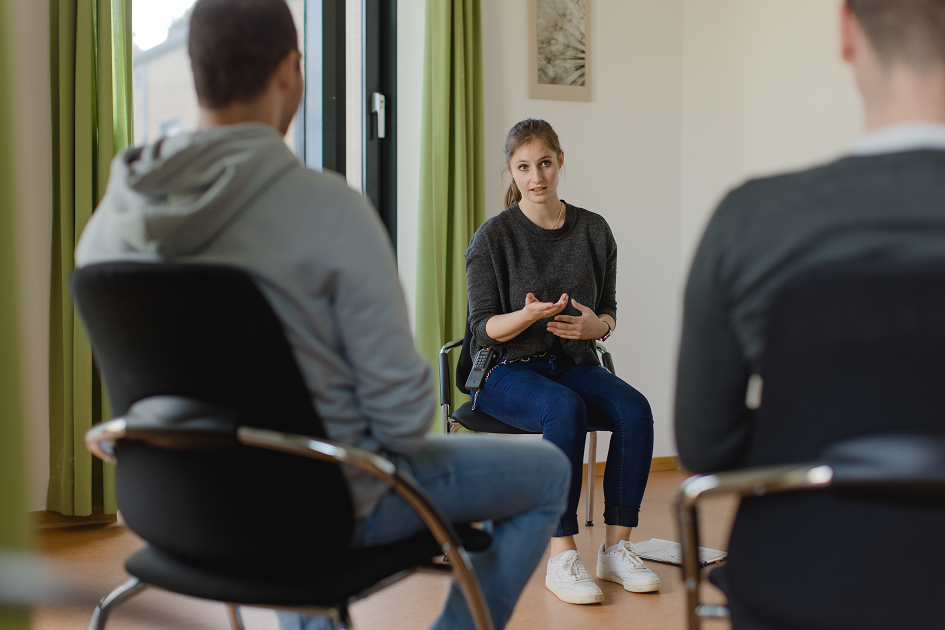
<point x="287" y="69"/>
<point x="849" y="32"/>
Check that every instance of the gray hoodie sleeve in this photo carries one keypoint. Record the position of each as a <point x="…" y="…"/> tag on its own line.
<point x="393" y="382"/>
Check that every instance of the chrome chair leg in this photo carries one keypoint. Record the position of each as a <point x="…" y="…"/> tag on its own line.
<point x="591" y="473"/>
<point x="236" y="619"/>
<point x="124" y="592"/>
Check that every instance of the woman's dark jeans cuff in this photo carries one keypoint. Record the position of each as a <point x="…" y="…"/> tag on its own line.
<point x="621" y="516"/>
<point x="567" y="526"/>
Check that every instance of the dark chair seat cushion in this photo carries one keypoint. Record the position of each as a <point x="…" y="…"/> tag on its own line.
<point x="291" y="584"/>
<point x="484" y="423"/>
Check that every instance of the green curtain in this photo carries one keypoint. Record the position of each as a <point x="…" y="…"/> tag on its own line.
<point x="90" y="65"/>
<point x="452" y="189"/>
<point x="14" y="531"/>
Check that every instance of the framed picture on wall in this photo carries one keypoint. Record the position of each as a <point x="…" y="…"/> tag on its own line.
<point x="559" y="49"/>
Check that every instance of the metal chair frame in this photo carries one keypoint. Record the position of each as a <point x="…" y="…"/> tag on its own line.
<point x="751" y="482"/>
<point x="607" y="361"/>
<point x="100" y="441"/>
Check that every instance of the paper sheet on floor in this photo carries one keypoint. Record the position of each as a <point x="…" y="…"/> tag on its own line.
<point x="669" y="552"/>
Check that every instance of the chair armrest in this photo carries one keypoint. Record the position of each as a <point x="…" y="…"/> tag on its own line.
<point x="446" y="387"/>
<point x="900" y="465"/>
<point x="446" y="384"/>
<point x="175" y="422"/>
<point x="756" y="482"/>
<point x="100" y="440"/>
<point x="605" y="357"/>
<point x="407" y="488"/>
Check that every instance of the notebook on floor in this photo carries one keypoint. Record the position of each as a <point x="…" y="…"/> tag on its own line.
<point x="669" y="552"/>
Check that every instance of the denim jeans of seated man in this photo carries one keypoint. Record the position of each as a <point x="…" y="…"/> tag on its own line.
<point x="520" y="488"/>
<point x="562" y="401"/>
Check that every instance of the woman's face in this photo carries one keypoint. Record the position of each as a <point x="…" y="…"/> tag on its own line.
<point x="535" y="168"/>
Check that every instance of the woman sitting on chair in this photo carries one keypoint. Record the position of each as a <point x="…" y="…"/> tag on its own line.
<point x="542" y="290"/>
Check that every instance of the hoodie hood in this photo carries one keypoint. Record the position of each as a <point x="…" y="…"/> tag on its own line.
<point x="175" y="196"/>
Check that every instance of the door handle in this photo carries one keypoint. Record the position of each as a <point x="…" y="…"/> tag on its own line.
<point x="379" y="107"/>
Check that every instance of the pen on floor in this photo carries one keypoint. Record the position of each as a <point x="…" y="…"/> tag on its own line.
<point x="679" y="558"/>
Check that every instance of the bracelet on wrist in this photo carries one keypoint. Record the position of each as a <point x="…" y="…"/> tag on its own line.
<point x="610" y="331"/>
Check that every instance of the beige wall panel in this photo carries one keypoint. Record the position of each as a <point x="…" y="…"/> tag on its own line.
<point x="765" y="91"/>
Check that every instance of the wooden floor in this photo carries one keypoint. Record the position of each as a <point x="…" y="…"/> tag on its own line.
<point x="96" y="555"/>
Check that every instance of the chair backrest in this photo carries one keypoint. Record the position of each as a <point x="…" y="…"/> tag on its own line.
<point x="207" y="333"/>
<point x="852" y="350"/>
<point x="464" y="362"/>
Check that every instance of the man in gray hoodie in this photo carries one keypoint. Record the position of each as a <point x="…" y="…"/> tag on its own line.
<point x="231" y="193"/>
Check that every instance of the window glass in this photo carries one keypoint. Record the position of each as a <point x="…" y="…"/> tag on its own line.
<point x="165" y="103"/>
<point x="354" y="99"/>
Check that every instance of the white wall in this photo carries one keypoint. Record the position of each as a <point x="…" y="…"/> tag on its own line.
<point x="764" y="91"/>
<point x="622" y="160"/>
<point x="33" y="146"/>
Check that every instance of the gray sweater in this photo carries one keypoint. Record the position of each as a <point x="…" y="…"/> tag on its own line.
<point x="509" y="257"/>
<point x="886" y="207"/>
<point x="236" y="196"/>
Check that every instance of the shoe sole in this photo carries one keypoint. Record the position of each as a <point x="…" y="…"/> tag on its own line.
<point x="573" y="599"/>
<point x="633" y="587"/>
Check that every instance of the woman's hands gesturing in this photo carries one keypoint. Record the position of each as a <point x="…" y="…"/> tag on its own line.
<point x="536" y="310"/>
<point x="585" y="326"/>
<point x="506" y="327"/>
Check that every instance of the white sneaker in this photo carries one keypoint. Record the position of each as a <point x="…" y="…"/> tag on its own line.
<point x="622" y="565"/>
<point x="567" y="578"/>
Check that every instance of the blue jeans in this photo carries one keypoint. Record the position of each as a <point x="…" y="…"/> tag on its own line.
<point x="519" y="488"/>
<point x="562" y="400"/>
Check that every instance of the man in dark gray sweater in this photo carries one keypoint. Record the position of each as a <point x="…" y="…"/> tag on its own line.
<point x="885" y="200"/>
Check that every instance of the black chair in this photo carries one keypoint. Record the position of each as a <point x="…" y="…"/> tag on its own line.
<point x="852" y="424"/>
<point x="223" y="466"/>
<point x="465" y="416"/>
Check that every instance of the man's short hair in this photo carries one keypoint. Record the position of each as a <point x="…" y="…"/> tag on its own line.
<point x="906" y="31"/>
<point x="235" y="47"/>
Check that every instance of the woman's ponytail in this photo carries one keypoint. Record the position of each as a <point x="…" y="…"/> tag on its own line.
<point x="513" y="195"/>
